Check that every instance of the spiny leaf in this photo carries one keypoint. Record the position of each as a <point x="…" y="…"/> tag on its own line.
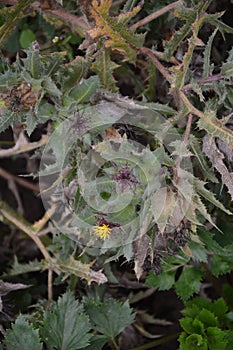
<point x="22" y="336"/>
<point x="217" y="159"/>
<point x="207" y="172"/>
<point x="84" y="271"/>
<point x="188" y="15"/>
<point x="85" y="89"/>
<point x="33" y="62"/>
<point x="207" y="53"/>
<point x="120" y="37"/>
<point x="200" y="188"/>
<point x="215" y="127"/>
<point x="190" y="187"/>
<point x="181" y="70"/>
<point x="105" y="67"/>
<point x="18" y="268"/>
<point x="7" y="119"/>
<point x="65" y="326"/>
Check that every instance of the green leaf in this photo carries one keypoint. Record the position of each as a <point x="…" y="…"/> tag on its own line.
<point x="97" y="342"/>
<point x="65" y="326"/>
<point x="199" y="252"/>
<point x="221" y="26"/>
<point x="191" y="326"/>
<point x="105" y="67"/>
<point x="216" y="338"/>
<point x="200" y="188"/>
<point x="192" y="342"/>
<point x="163" y="281"/>
<point x="194" y="306"/>
<point x="33" y="63"/>
<point x="31" y="122"/>
<point x="189" y="282"/>
<point x="207" y="238"/>
<point x="220" y="264"/>
<point x="109" y="317"/>
<point x="51" y="88"/>
<point x="215" y="127"/>
<point x="26" y="38"/>
<point x="207" y="54"/>
<point x="219" y="308"/>
<point x="22" y="336"/>
<point x="208" y="318"/>
<point x="18" y="268"/>
<point x="85" y="90"/>
<point x="7" y="119"/>
<point x="72" y="73"/>
<point x="200" y="158"/>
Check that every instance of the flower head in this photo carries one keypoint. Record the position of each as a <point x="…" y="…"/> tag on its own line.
<point x="102" y="231"/>
<point x="104" y="228"/>
<point x="125" y="178"/>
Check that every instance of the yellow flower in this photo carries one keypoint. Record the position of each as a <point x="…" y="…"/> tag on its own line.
<point x="102" y="231"/>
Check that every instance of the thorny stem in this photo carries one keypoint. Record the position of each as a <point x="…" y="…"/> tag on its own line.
<point x="149" y="53"/>
<point x="156" y="14"/>
<point x="188" y="129"/>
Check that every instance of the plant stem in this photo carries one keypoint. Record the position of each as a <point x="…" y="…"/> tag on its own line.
<point x="156" y="14"/>
<point x="115" y="344"/>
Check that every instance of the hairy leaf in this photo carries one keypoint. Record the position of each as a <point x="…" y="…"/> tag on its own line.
<point x="207" y="172"/>
<point x="109" y="317"/>
<point x="65" y="326"/>
<point x="85" y="90"/>
<point x="215" y="127"/>
<point x="119" y="36"/>
<point x="20" y="268"/>
<point x="105" y="67"/>
<point x="22" y="336"/>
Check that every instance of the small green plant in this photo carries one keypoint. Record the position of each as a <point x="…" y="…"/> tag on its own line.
<point x="206" y="325"/>
<point x="69" y="325"/>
